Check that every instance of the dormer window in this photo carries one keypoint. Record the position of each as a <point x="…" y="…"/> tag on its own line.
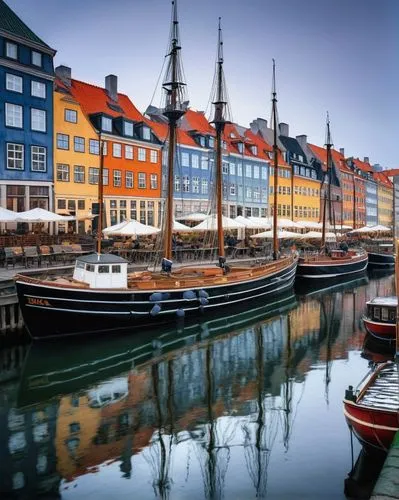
<point x="224" y="145"/>
<point x="11" y="50"/>
<point x="106" y="124"/>
<point x="240" y="147"/>
<point x="254" y="150"/>
<point x="36" y="58"/>
<point x="300" y="158"/>
<point x="202" y="140"/>
<point x="232" y="135"/>
<point x="146" y="134"/>
<point x="211" y="142"/>
<point x="128" y="129"/>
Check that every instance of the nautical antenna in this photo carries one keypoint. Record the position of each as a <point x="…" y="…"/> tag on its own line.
<point x="274" y="122"/>
<point x="327" y="193"/>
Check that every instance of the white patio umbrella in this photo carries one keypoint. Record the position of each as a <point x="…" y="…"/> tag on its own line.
<point x="280" y="235"/>
<point x="309" y="224"/>
<point x="7" y="215"/>
<point x="368" y="229"/>
<point x="41" y="215"/>
<point x="252" y="222"/>
<point x="210" y="224"/>
<point x="178" y="227"/>
<point x="262" y="222"/>
<point x="194" y="217"/>
<point x="381" y="228"/>
<point x="130" y="228"/>
<point x="288" y="223"/>
<point x="315" y="235"/>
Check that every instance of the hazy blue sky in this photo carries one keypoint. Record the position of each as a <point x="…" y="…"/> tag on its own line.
<point x="336" y="55"/>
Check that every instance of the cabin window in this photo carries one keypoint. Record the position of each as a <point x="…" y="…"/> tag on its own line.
<point x="103" y="269"/>
<point x="377" y="313"/>
<point x="90" y="268"/>
<point x="392" y="316"/>
<point x="384" y="314"/>
<point x="116" y="269"/>
<point x="80" y="265"/>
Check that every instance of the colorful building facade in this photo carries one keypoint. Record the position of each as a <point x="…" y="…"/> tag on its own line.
<point x="26" y="124"/>
<point x="371" y="205"/>
<point x="385" y="200"/>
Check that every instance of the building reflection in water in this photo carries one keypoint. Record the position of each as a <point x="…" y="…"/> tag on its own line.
<point x="204" y="397"/>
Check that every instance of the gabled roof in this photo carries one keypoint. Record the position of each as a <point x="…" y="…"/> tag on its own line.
<point x="95" y="99"/>
<point x="292" y="145"/>
<point x="11" y="23"/>
<point x="382" y="178"/>
<point x="362" y="165"/>
<point x="339" y="160"/>
<point x="320" y="154"/>
<point x="161" y="131"/>
<point x="196" y="121"/>
<point x="391" y="172"/>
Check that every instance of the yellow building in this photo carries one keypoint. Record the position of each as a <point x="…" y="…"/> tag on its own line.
<point x="305" y="197"/>
<point x="385" y="200"/>
<point x="284" y="193"/>
<point x="76" y="160"/>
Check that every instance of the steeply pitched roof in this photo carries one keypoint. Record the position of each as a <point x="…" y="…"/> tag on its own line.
<point x="11" y="23"/>
<point x="362" y="165"/>
<point x="96" y="100"/>
<point x="161" y="131"/>
<point x="339" y="160"/>
<point x="196" y="120"/>
<point x="292" y="145"/>
<point x="383" y="179"/>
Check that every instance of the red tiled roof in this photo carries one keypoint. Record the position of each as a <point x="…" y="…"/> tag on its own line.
<point x="161" y="131"/>
<point x="196" y="120"/>
<point x="95" y="100"/>
<point x="383" y="178"/>
<point x="391" y="172"/>
<point x="362" y="165"/>
<point x="339" y="160"/>
<point x="321" y="154"/>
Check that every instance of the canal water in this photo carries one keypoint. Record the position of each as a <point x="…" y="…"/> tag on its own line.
<point x="244" y="407"/>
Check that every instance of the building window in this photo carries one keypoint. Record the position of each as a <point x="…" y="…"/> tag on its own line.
<point x="62" y="141"/>
<point x="15" y="156"/>
<point x="14" y="83"/>
<point x="105" y="177"/>
<point x="153" y="156"/>
<point x="204" y="163"/>
<point x="232" y="189"/>
<point x="93" y="175"/>
<point x="195" y="161"/>
<point x="143" y="218"/>
<point x="177" y="183"/>
<point x="117" y="178"/>
<point x="13" y="115"/>
<point x="150" y="213"/>
<point x="146" y="133"/>
<point x="185" y="160"/>
<point x="129" y="179"/>
<point x="142" y="154"/>
<point x="11" y="50"/>
<point x="186" y="184"/>
<point x="61" y="204"/>
<point x="81" y="206"/>
<point x="128" y="129"/>
<point x="62" y="172"/>
<point x="117" y="150"/>
<point x="38" y="159"/>
<point x="38" y="89"/>
<point x="225" y="168"/>
<point x="154" y="181"/>
<point x="71" y="116"/>
<point x="142" y="180"/>
<point x="256" y="172"/>
<point x="204" y="186"/>
<point x="38" y="119"/>
<point x="36" y="58"/>
<point x="248" y="170"/>
<point x="79" y="174"/>
<point x="232" y="169"/>
<point x="196" y="184"/>
<point x="79" y="144"/>
<point x="133" y="209"/>
<point x="94" y="147"/>
<point x="106" y="124"/>
<point x="129" y="152"/>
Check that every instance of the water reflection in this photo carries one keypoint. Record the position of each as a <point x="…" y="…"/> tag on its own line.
<point x="227" y="407"/>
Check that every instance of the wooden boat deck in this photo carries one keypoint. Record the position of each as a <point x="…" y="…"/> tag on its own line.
<point x="382" y="391"/>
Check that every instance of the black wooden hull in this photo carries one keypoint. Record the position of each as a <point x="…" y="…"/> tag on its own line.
<point x="333" y="270"/>
<point x="383" y="260"/>
<point x="51" y="311"/>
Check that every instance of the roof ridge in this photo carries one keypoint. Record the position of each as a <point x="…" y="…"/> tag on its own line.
<point x="97" y="86"/>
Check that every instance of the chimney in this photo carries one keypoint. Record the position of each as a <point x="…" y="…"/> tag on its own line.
<point x="64" y="74"/>
<point x="303" y="141"/>
<point x="342" y="151"/>
<point x="366" y="159"/>
<point x="284" y="129"/>
<point x="258" y="125"/>
<point x="111" y="86"/>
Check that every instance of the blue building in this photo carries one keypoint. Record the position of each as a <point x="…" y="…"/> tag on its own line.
<point x="26" y="116"/>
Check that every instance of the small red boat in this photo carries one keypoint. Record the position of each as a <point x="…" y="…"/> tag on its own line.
<point x="380" y="320"/>
<point x="373" y="412"/>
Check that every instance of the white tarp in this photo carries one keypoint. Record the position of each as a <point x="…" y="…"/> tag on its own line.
<point x="280" y="235"/>
<point x="180" y="228"/>
<point x="210" y="224"/>
<point x="194" y="217"/>
<point x="130" y="228"/>
<point x="7" y="215"/>
<point x="315" y="235"/>
<point x="371" y="229"/>
<point x="252" y="222"/>
<point x="41" y="215"/>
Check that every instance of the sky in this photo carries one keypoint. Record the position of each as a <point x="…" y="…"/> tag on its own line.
<point x="335" y="55"/>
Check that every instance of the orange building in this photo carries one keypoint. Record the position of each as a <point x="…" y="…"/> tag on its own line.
<point x="346" y="177"/>
<point x="132" y="152"/>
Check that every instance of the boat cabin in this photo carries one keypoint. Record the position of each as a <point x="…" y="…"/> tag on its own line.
<point x="382" y="309"/>
<point x="101" y="271"/>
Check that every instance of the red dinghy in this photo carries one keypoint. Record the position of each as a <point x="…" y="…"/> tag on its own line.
<point x="373" y="413"/>
<point x="380" y="320"/>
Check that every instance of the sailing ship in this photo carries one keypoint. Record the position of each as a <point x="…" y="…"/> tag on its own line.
<point x="330" y="263"/>
<point x="103" y="296"/>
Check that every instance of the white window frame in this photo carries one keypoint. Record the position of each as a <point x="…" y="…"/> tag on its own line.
<point x="142" y="154"/>
<point x="185" y="159"/>
<point x="256" y="172"/>
<point x="248" y="170"/>
<point x="142" y="180"/>
<point x="177" y="185"/>
<point x="10" y="47"/>
<point x="14" y="83"/>
<point x="204" y="163"/>
<point x="117" y="178"/>
<point x="13" y="157"/>
<point x="106" y="124"/>
<point x="154" y="181"/>
<point x="94" y="147"/>
<point x="146" y="133"/>
<point x="204" y="186"/>
<point x="81" y="144"/>
<point x="129" y="155"/>
<point x="153" y="156"/>
<point x="39" y="58"/>
<point x="39" y="125"/>
<point x="196" y="184"/>
<point x="64" y="172"/>
<point x="63" y="135"/>
<point x="79" y="173"/>
<point x="117" y="150"/>
<point x="14" y="115"/>
<point x="130" y="126"/>
<point x="94" y="175"/>
<point x="69" y="113"/>
<point x="38" y="89"/>
<point x="186" y="184"/>
<point x="38" y="156"/>
<point x="194" y="161"/>
<point x="129" y="179"/>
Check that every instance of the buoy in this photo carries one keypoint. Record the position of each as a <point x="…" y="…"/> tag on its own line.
<point x="189" y="295"/>
<point x="203" y="293"/>
<point x="156" y="297"/>
<point x="180" y="313"/>
<point x="155" y="310"/>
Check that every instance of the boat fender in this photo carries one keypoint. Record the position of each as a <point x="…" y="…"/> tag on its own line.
<point x="180" y="313"/>
<point x="203" y="293"/>
<point x="204" y="301"/>
<point x="204" y="332"/>
<point x="156" y="297"/>
<point x="155" y="310"/>
<point x="166" y="296"/>
<point x="156" y="344"/>
<point x="189" y="295"/>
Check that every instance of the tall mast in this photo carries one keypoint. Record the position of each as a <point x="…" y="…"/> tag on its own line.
<point x="100" y="194"/>
<point x="174" y="109"/>
<point x="275" y="161"/>
<point x="219" y="120"/>
<point x="327" y="195"/>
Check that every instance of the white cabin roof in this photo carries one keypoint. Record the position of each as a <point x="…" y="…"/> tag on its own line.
<point x="384" y="301"/>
